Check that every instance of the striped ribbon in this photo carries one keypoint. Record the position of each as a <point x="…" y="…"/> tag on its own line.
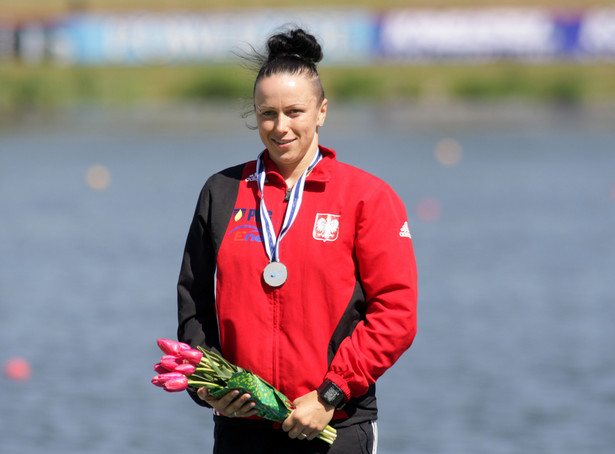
<point x="272" y="244"/>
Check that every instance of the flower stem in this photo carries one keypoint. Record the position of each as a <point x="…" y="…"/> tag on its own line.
<point x="197" y="383"/>
<point x="329" y="434"/>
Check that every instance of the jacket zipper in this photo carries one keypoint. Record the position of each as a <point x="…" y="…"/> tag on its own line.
<point x="276" y="320"/>
<point x="276" y="336"/>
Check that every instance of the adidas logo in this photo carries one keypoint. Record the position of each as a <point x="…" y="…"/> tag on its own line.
<point x="405" y="231"/>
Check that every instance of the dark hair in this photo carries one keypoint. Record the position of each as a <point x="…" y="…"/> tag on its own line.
<point x="293" y="51"/>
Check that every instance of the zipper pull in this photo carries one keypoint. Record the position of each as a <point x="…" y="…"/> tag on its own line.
<point x="287" y="196"/>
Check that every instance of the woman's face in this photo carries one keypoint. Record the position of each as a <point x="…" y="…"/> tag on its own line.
<point x="288" y="114"/>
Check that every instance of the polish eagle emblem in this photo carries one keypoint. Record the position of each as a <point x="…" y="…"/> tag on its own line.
<point x="326" y="227"/>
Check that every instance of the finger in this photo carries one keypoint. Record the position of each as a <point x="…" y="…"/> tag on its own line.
<point x="202" y="393"/>
<point x="289" y="422"/>
<point x="296" y="432"/>
<point x="247" y="412"/>
<point x="240" y="405"/>
<point x="304" y="434"/>
<point x="311" y="435"/>
<point x="247" y="406"/>
<point x="222" y="405"/>
<point x="229" y="397"/>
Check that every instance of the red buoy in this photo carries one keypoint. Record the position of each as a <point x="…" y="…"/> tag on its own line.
<point x="17" y="369"/>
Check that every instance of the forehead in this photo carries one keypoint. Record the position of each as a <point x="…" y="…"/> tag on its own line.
<point x="284" y="89"/>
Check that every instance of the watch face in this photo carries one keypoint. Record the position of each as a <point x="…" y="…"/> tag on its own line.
<point x="331" y="395"/>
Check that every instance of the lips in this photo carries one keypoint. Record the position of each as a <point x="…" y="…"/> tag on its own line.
<point x="282" y="143"/>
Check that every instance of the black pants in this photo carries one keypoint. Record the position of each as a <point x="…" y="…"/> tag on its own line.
<point x="246" y="436"/>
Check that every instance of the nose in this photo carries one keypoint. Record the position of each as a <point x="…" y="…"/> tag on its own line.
<point x="281" y="124"/>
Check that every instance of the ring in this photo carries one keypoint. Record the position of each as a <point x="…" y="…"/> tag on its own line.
<point x="234" y="414"/>
<point x="302" y="436"/>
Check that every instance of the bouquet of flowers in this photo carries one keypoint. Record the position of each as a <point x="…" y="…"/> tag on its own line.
<point x="182" y="366"/>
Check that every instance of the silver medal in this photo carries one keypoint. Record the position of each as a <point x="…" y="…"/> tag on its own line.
<point x="275" y="274"/>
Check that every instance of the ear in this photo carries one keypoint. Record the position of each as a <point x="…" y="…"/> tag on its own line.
<point x="322" y="113"/>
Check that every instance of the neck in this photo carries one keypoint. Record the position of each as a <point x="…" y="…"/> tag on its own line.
<point x="292" y="172"/>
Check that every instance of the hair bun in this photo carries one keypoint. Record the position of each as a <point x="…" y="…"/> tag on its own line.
<point x="296" y="42"/>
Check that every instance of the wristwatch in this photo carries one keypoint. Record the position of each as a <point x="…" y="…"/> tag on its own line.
<point x="331" y="394"/>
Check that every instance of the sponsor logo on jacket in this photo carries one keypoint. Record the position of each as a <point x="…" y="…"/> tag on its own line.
<point x="326" y="227"/>
<point x="404" y="232"/>
<point x="248" y="214"/>
<point x="246" y="232"/>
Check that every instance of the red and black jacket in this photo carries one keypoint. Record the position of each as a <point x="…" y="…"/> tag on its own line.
<point x="348" y="309"/>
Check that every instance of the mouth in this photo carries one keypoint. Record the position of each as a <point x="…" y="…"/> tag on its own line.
<point x="282" y="143"/>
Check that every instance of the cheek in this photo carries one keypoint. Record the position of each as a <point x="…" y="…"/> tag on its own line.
<point x="308" y="126"/>
<point x="264" y="127"/>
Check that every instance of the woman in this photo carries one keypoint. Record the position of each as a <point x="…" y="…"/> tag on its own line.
<point x="300" y="269"/>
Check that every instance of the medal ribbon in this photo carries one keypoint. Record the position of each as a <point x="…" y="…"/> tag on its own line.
<point x="272" y="245"/>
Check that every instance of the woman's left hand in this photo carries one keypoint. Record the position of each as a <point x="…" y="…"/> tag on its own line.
<point x="310" y="416"/>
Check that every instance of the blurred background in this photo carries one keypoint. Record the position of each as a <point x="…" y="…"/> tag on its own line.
<point x="494" y="122"/>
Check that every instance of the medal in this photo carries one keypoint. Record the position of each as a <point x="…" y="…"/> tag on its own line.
<point x="276" y="273"/>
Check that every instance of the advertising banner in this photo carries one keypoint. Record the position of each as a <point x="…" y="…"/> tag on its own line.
<point x="463" y="33"/>
<point x="596" y="35"/>
<point x="349" y="36"/>
<point x="527" y="34"/>
<point x="175" y="38"/>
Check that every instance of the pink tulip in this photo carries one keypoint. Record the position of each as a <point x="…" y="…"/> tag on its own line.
<point x="192" y="356"/>
<point x="161" y="369"/>
<point x="171" y="347"/>
<point x="170" y="362"/>
<point x="186" y="369"/>
<point x="162" y="379"/>
<point x="176" y="384"/>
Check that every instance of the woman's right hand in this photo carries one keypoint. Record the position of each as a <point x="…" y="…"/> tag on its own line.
<point x="232" y="405"/>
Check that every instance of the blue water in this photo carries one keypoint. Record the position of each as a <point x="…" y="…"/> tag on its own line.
<point x="515" y="347"/>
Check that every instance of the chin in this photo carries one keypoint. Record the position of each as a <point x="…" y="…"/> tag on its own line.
<point x="288" y="153"/>
<point x="287" y="157"/>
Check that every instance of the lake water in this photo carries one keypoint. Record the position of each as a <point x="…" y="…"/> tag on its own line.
<point x="514" y="244"/>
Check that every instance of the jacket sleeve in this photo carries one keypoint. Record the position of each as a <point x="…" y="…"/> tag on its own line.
<point x="197" y="323"/>
<point x="196" y="301"/>
<point x="387" y="270"/>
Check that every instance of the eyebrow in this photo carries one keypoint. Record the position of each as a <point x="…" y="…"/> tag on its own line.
<point x="264" y="107"/>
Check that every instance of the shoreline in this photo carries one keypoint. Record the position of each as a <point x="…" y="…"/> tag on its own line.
<point x="408" y="117"/>
<point x="49" y="87"/>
